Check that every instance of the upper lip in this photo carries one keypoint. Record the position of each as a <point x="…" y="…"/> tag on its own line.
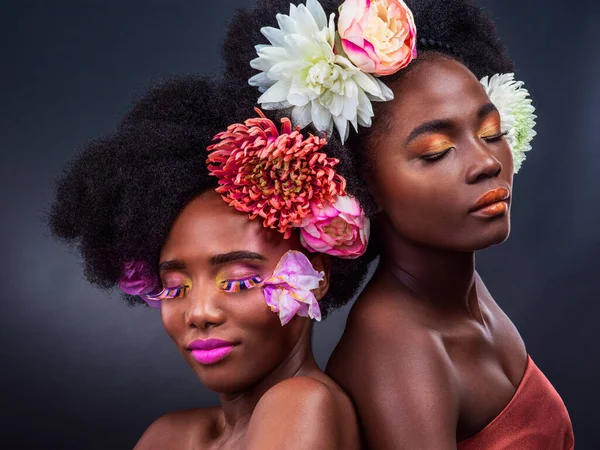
<point x="491" y="197"/>
<point x="208" y="344"/>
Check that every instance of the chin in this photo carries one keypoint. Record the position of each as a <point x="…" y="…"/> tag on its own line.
<point x="229" y="376"/>
<point x="224" y="381"/>
<point x="494" y="233"/>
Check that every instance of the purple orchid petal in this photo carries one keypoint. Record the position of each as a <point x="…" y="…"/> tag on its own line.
<point x="139" y="279"/>
<point x="151" y="303"/>
<point x="288" y="291"/>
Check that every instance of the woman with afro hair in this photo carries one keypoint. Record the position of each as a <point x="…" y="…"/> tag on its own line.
<point x="420" y="98"/>
<point x="236" y="297"/>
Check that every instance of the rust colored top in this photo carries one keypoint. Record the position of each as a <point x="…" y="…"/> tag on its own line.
<point x="535" y="419"/>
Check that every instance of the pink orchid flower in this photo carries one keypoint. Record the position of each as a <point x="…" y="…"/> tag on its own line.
<point x="139" y="279"/>
<point x="288" y="290"/>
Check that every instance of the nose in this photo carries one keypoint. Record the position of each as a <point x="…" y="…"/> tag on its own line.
<point x="483" y="163"/>
<point x="203" y="310"/>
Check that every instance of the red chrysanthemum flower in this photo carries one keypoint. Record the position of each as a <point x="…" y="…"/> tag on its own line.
<point x="276" y="176"/>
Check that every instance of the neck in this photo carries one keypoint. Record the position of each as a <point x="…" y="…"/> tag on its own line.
<point x="444" y="278"/>
<point x="237" y="408"/>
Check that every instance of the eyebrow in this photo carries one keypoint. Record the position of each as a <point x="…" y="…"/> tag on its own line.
<point x="235" y="256"/>
<point x="175" y="264"/>
<point x="217" y="260"/>
<point x="486" y="109"/>
<point x="435" y="126"/>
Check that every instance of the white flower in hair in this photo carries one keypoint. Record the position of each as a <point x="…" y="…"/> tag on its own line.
<point x="516" y="112"/>
<point x="301" y="70"/>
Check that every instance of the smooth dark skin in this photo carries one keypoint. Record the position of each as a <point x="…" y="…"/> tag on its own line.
<point x="427" y="356"/>
<point x="273" y="395"/>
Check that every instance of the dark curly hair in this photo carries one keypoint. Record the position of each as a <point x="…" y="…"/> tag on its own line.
<point x="116" y="201"/>
<point x="455" y="29"/>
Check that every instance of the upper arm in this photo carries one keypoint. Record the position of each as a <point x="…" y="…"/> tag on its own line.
<point x="298" y="413"/>
<point x="401" y="382"/>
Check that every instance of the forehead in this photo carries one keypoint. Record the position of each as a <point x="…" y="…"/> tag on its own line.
<point x="438" y="88"/>
<point x="208" y="226"/>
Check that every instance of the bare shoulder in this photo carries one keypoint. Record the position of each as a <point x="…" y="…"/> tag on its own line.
<point x="399" y="375"/>
<point x="379" y="337"/>
<point x="381" y="325"/>
<point x="304" y="412"/>
<point x="179" y="429"/>
<point x="304" y="392"/>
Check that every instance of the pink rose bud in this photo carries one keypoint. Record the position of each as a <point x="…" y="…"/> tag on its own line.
<point x="379" y="36"/>
<point x="340" y="229"/>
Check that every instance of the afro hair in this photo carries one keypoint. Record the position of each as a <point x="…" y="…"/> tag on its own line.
<point x="117" y="200"/>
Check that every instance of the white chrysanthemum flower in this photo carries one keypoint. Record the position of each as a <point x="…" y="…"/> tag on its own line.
<point x="300" y="70"/>
<point x="516" y="112"/>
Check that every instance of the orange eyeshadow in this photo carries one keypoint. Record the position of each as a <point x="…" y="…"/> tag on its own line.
<point x="491" y="127"/>
<point x="432" y="144"/>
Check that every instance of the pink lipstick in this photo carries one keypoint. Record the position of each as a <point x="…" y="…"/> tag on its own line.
<point x="210" y="351"/>
<point x="492" y="203"/>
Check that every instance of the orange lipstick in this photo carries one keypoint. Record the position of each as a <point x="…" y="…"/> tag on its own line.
<point x="492" y="203"/>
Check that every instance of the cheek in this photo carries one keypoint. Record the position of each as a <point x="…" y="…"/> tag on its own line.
<point x="417" y="193"/>
<point x="252" y="310"/>
<point x="261" y="326"/>
<point x="172" y="317"/>
<point x="506" y="159"/>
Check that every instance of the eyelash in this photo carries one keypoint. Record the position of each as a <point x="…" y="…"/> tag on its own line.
<point x="495" y="138"/>
<point x="440" y="155"/>
<point x="240" y="285"/>
<point x="435" y="156"/>
<point x="176" y="292"/>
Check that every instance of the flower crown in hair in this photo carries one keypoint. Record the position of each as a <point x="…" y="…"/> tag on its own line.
<point x="328" y="77"/>
<point x="284" y="179"/>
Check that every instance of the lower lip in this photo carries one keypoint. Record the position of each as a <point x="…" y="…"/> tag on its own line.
<point x="495" y="209"/>
<point x="211" y="356"/>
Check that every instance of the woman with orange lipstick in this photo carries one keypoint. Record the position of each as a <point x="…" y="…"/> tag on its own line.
<point x="422" y="99"/>
<point x="176" y="225"/>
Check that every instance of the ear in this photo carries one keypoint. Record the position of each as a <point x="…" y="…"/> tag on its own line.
<point x="321" y="263"/>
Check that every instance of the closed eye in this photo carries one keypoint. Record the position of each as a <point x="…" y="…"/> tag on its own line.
<point x="495" y="137"/>
<point x="240" y="285"/>
<point x="430" y="157"/>
<point x="175" y="292"/>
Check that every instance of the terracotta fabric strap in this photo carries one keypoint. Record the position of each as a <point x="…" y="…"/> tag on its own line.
<point x="535" y="419"/>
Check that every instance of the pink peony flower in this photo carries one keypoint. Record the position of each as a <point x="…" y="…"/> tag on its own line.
<point x="139" y="279"/>
<point x="379" y="36"/>
<point x="339" y="229"/>
<point x="288" y="290"/>
<point x="276" y="176"/>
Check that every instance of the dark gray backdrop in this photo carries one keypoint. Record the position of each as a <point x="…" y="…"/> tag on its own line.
<point x="82" y="371"/>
